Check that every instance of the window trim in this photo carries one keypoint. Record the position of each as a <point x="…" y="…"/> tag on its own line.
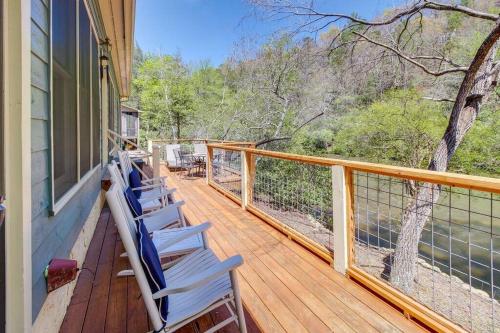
<point x="57" y="205"/>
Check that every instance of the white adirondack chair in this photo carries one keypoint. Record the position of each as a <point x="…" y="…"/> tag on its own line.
<point x="149" y="201"/>
<point x="196" y="284"/>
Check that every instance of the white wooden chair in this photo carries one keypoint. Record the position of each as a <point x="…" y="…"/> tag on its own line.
<point x="149" y="200"/>
<point x="126" y="169"/>
<point x="170" y="156"/>
<point x="195" y="285"/>
<point x="155" y="215"/>
<point x="168" y="242"/>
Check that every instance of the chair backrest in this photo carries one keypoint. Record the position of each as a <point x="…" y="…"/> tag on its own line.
<point x="118" y="205"/>
<point x="126" y="165"/>
<point x="116" y="176"/>
<point x="200" y="148"/>
<point x="170" y="154"/>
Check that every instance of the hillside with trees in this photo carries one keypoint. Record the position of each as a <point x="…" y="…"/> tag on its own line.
<point x="336" y="95"/>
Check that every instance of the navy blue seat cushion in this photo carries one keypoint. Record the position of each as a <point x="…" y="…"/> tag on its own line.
<point x="133" y="203"/>
<point x="135" y="181"/>
<point x="152" y="267"/>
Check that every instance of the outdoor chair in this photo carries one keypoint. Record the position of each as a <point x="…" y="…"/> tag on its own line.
<point x="185" y="160"/>
<point x="170" y="157"/>
<point x="195" y="285"/>
<point x="127" y="169"/>
<point x="132" y="178"/>
<point x="149" y="201"/>
<point x="168" y="242"/>
<point x="155" y="215"/>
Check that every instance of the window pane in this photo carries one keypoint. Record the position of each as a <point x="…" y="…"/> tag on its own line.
<point x="64" y="95"/>
<point x="96" y="104"/>
<point x="84" y="53"/>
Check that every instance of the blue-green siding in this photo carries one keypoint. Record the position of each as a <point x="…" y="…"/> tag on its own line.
<point x="52" y="236"/>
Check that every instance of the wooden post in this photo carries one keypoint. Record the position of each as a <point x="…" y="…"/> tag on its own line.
<point x="150" y="150"/>
<point x="244" y="180"/>
<point x="210" y="157"/>
<point x="156" y="161"/>
<point x="340" y="220"/>
<point x="247" y="178"/>
<point x="16" y="131"/>
<point x="349" y="187"/>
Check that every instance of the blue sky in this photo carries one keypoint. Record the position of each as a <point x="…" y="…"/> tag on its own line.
<point x="208" y="29"/>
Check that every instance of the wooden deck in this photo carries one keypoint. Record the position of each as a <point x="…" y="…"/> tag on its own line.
<point x="284" y="287"/>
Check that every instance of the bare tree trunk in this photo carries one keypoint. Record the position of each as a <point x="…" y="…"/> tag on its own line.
<point x="479" y="81"/>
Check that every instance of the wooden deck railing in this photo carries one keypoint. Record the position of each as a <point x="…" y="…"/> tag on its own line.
<point x="349" y="213"/>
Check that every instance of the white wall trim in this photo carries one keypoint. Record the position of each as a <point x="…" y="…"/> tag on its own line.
<point x="54" y="308"/>
<point x="17" y="78"/>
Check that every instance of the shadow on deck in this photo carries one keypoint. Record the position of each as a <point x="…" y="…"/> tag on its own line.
<point x="284" y="287"/>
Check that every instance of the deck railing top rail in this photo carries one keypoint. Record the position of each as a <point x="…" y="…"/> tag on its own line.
<point x="445" y="178"/>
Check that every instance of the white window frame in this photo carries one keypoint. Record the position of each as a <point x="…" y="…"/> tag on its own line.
<point x="57" y="205"/>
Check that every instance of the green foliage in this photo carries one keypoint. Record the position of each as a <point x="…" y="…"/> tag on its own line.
<point x="401" y="127"/>
<point x="165" y="94"/>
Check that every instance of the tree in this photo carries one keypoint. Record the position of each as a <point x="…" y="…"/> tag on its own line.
<point x="165" y="94"/>
<point x="404" y="34"/>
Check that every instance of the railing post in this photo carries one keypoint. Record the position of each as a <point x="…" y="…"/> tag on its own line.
<point x="247" y="178"/>
<point x="341" y="220"/>
<point x="210" y="157"/>
<point x="244" y="180"/>
<point x="156" y="161"/>
<point x="150" y="150"/>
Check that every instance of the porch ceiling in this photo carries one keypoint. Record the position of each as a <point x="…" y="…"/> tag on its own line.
<point x="119" y="20"/>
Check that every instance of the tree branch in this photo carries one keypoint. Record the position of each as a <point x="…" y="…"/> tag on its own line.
<point x="439" y="99"/>
<point x="409" y="59"/>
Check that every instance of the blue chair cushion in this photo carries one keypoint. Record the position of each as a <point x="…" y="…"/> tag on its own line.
<point x="135" y="181"/>
<point x="133" y="203"/>
<point x="152" y="267"/>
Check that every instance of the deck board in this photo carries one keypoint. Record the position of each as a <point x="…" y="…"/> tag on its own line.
<point x="284" y="287"/>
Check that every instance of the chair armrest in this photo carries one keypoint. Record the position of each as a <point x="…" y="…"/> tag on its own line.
<point x="202" y="278"/>
<point x="150" y="180"/>
<point x="161" y="196"/>
<point x="170" y="207"/>
<point x="183" y="234"/>
<point x="151" y="186"/>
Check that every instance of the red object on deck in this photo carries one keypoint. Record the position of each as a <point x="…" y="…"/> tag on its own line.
<point x="60" y="272"/>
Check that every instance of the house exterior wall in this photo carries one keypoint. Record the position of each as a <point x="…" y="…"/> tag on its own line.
<point x="53" y="235"/>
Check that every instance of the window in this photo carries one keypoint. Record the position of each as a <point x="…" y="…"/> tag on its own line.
<point x="84" y="90"/>
<point x="64" y="120"/>
<point x="76" y="121"/>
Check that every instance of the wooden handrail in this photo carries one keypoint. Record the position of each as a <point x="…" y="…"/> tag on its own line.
<point x="444" y="178"/>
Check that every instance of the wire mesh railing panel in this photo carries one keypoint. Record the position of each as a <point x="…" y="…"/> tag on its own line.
<point x="458" y="262"/>
<point x="296" y="194"/>
<point x="226" y="170"/>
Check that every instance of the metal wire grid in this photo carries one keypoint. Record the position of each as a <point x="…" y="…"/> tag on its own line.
<point x="226" y="170"/>
<point x="298" y="195"/>
<point x="458" y="273"/>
